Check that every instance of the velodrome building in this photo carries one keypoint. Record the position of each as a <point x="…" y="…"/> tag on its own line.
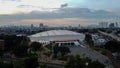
<point x="62" y="37"/>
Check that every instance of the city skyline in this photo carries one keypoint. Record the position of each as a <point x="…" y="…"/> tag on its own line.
<point x="60" y="12"/>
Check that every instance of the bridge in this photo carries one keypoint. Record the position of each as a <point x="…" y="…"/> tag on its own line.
<point x="110" y="35"/>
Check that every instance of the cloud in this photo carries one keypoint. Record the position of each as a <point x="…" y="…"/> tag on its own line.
<point x="56" y="22"/>
<point x="12" y="0"/>
<point x="62" y="13"/>
<point x="64" y="5"/>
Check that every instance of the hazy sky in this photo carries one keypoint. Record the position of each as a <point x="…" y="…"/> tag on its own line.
<point x="58" y="12"/>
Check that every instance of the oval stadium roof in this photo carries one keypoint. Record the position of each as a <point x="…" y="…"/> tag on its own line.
<point x="56" y="35"/>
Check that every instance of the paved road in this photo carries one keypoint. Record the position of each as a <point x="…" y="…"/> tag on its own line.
<point x="94" y="55"/>
<point x="52" y="65"/>
<point x="110" y="35"/>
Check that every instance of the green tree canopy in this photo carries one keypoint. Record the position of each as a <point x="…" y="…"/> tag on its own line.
<point x="35" y="46"/>
<point x="20" y="50"/>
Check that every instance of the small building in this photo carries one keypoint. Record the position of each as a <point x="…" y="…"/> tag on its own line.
<point x="99" y="42"/>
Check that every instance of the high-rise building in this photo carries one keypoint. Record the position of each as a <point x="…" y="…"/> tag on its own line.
<point x="112" y="25"/>
<point x="32" y="26"/>
<point x="41" y="25"/>
<point x="116" y="25"/>
<point x="103" y="24"/>
<point x="79" y="26"/>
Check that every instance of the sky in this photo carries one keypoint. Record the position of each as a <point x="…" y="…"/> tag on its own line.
<point x="58" y="12"/>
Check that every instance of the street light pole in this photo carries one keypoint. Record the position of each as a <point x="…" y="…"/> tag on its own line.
<point x="86" y="64"/>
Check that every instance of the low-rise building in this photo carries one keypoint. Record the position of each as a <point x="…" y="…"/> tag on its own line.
<point x="98" y="40"/>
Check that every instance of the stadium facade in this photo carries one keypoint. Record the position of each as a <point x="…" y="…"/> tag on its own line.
<point x="63" y="37"/>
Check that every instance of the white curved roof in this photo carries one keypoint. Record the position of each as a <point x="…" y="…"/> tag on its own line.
<point x="55" y="35"/>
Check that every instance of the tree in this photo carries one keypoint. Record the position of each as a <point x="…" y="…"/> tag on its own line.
<point x="20" y="50"/>
<point x="71" y="62"/>
<point x="74" y="63"/>
<point x="88" y="39"/>
<point x="77" y="62"/>
<point x="49" y="46"/>
<point x="6" y="65"/>
<point x="96" y="64"/>
<point x="48" y="54"/>
<point x="12" y="41"/>
<point x="31" y="62"/>
<point x="1" y="52"/>
<point x="55" y="51"/>
<point x="77" y="57"/>
<point x="112" y="46"/>
<point x="64" y="50"/>
<point x="35" y="46"/>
